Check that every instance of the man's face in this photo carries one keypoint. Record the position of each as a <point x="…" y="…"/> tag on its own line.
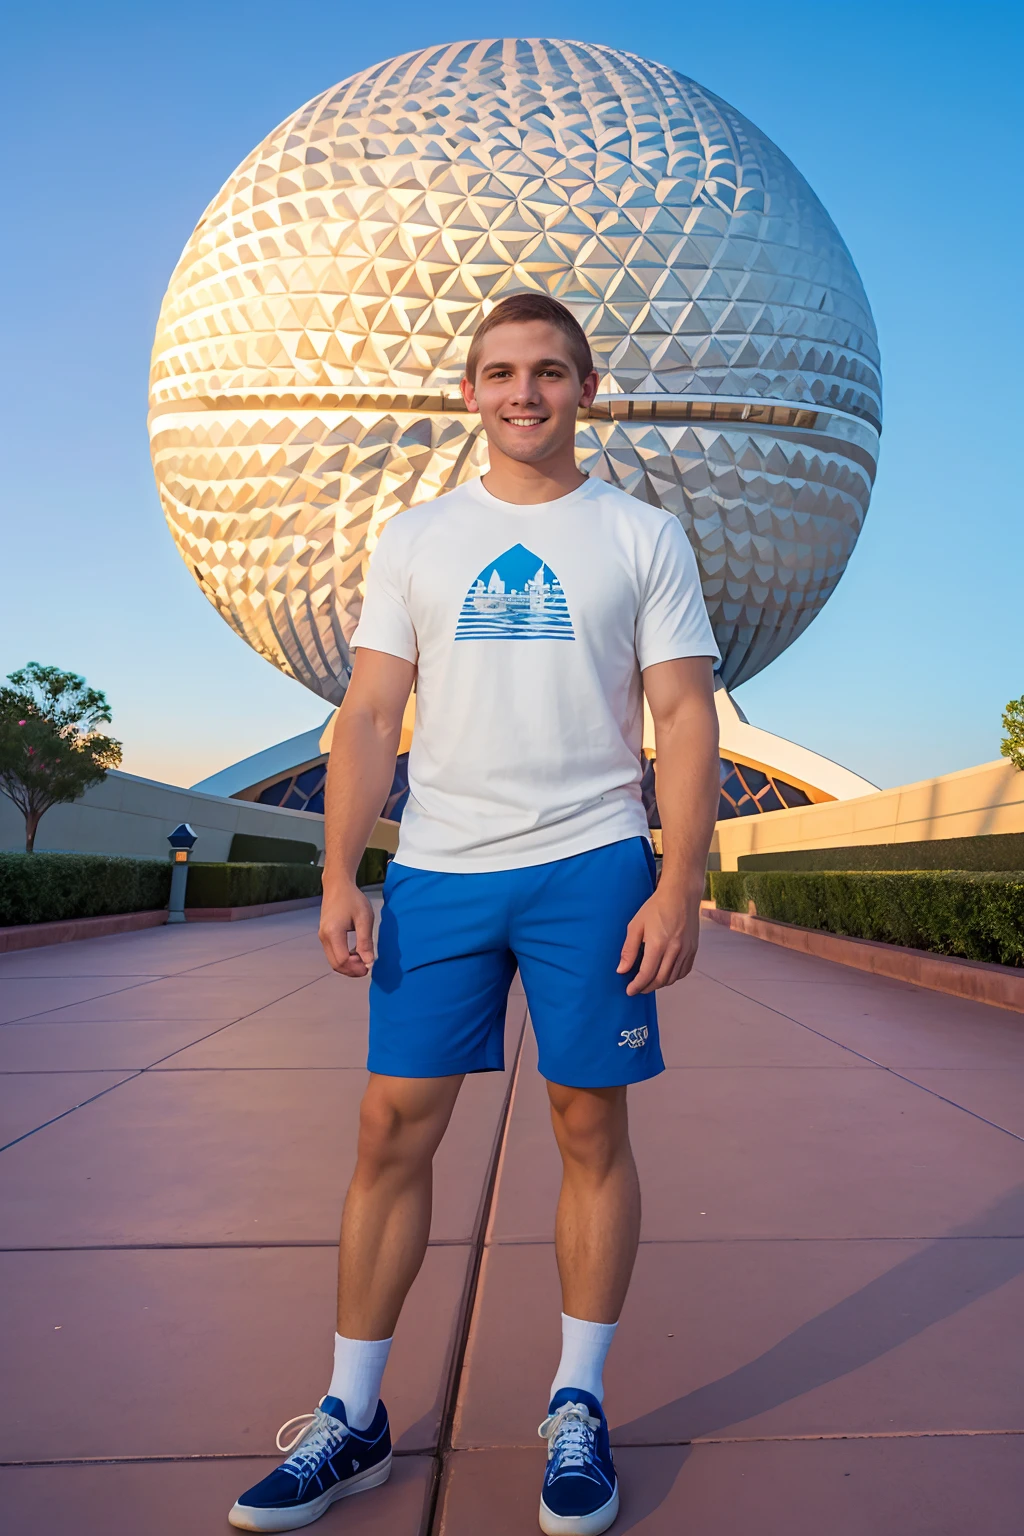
<point x="527" y="391"/>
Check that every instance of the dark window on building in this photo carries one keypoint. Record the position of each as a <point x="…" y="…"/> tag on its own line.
<point x="305" y="791"/>
<point x="310" y="780"/>
<point x="750" y="791"/>
<point x="275" y="793"/>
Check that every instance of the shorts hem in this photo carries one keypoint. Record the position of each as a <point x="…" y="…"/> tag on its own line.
<point x="599" y="1080"/>
<point x="406" y="1068"/>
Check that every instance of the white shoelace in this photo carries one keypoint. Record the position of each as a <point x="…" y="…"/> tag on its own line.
<point x="570" y="1435"/>
<point x="317" y="1433"/>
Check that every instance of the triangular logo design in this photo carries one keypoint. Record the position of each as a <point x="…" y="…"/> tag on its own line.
<point x="516" y="597"/>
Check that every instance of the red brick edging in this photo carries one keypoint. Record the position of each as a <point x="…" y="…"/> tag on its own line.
<point x="1000" y="985"/>
<point x="236" y="914"/>
<point x="35" y="935"/>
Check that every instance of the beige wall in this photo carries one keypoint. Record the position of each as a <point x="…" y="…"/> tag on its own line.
<point x="989" y="798"/>
<point x="129" y="815"/>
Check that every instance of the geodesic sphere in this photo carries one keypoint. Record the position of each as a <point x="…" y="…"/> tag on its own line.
<point x="305" y="371"/>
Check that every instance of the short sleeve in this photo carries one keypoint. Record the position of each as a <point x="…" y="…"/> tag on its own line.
<point x="673" y="621"/>
<point x="385" y="623"/>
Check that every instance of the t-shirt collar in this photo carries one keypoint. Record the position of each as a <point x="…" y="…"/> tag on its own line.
<point x="479" y="492"/>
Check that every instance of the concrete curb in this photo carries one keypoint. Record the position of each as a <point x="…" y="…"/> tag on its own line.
<point x="66" y="931"/>
<point x="1002" y="986"/>
<point x="238" y="914"/>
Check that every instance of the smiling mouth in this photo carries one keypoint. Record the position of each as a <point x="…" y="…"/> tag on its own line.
<point x="525" y="421"/>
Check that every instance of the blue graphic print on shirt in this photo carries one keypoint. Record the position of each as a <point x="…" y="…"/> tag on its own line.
<point x="515" y="597"/>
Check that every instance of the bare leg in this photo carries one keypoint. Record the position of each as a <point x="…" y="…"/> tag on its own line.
<point x="386" y="1221"/>
<point x="597" y="1227"/>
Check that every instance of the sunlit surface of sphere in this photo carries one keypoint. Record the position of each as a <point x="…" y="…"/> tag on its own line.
<point x="305" y="372"/>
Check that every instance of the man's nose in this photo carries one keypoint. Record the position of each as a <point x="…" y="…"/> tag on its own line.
<point x="524" y="389"/>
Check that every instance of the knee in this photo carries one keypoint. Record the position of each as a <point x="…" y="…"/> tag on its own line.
<point x="387" y="1138"/>
<point x="590" y="1128"/>
<point x="399" y="1130"/>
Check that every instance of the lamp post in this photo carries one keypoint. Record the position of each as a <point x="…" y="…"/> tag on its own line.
<point x="182" y="841"/>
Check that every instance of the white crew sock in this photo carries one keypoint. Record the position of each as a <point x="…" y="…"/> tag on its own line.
<point x="584" y="1347"/>
<point x="358" y="1370"/>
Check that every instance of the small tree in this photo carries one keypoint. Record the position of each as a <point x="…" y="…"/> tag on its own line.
<point x="1013" y="725"/>
<point x="50" y="748"/>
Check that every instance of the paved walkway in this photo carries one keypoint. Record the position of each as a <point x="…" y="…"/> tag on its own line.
<point x="825" y="1330"/>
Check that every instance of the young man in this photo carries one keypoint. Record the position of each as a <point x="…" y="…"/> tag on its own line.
<point x="533" y="608"/>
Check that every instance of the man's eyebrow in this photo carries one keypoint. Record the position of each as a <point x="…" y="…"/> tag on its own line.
<point x="544" y="362"/>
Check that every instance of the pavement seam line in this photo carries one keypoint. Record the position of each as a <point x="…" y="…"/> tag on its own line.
<point x="847" y="1434"/>
<point x="26" y="1018"/>
<point x="141" y="1071"/>
<point x="143" y="980"/>
<point x="837" y="1434"/>
<point x="854" y="1434"/>
<point x="880" y="1065"/>
<point x="220" y="1030"/>
<point x="171" y="1457"/>
<point x="64" y="1113"/>
<point x="468" y="1309"/>
<point x="240" y="1245"/>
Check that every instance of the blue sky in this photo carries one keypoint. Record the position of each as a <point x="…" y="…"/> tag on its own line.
<point x="124" y="119"/>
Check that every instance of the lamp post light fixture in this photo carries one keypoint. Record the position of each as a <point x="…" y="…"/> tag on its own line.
<point x="182" y="841"/>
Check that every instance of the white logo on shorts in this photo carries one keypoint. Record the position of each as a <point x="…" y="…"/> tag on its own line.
<point x="634" y="1038"/>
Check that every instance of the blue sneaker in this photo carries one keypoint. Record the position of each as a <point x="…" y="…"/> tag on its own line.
<point x="580" y="1496"/>
<point x="328" y="1461"/>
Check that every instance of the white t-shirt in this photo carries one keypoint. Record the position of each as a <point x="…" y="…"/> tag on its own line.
<point x="529" y="628"/>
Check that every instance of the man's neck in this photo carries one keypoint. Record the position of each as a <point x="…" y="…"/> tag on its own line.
<point x="525" y="485"/>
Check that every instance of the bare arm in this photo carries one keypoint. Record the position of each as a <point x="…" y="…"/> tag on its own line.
<point x="681" y="695"/>
<point x="359" y="774"/>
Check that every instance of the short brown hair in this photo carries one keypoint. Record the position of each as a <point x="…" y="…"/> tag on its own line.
<point x="519" y="307"/>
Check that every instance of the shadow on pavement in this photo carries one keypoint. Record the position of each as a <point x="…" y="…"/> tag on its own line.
<point x="929" y="1286"/>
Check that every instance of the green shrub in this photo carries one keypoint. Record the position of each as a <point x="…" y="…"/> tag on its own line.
<point x="728" y="889"/>
<point x="249" y="885"/>
<point x="49" y="887"/>
<point x="251" y="848"/>
<point x="974" y="915"/>
<point x="373" y="866"/>
<point x="990" y="850"/>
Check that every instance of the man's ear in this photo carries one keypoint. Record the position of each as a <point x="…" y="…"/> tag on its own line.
<point x="588" y="390"/>
<point x="469" y="394"/>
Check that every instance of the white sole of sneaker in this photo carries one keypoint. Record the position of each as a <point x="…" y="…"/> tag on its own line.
<point x="580" y="1525"/>
<point x="293" y="1519"/>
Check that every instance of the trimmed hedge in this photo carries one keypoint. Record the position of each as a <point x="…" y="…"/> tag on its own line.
<point x="251" y="848"/>
<point x="249" y="885"/>
<point x="977" y="916"/>
<point x="727" y="888"/>
<point x="51" y="887"/>
<point x="246" y="885"/>
<point x="990" y="850"/>
<point x="373" y="866"/>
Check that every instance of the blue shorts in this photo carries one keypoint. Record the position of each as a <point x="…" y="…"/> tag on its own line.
<point x="448" y="947"/>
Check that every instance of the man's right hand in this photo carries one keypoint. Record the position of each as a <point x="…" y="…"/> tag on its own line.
<point x="346" y="910"/>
